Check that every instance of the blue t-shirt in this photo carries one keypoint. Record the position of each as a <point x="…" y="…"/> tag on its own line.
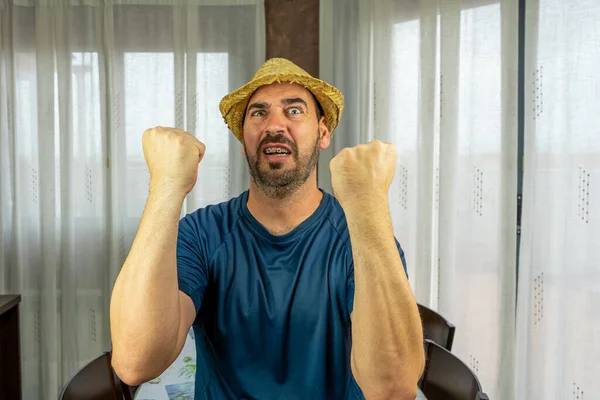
<point x="273" y="312"/>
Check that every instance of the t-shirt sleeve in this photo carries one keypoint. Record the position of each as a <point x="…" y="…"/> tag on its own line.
<point x="192" y="269"/>
<point x="350" y="287"/>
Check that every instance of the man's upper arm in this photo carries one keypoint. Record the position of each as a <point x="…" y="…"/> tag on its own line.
<point x="192" y="271"/>
<point x="187" y="314"/>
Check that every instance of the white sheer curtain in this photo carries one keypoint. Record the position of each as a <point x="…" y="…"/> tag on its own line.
<point x="439" y="80"/>
<point x="79" y="83"/>
<point x="559" y="274"/>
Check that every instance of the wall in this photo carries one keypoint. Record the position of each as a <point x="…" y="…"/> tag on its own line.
<point x="293" y="32"/>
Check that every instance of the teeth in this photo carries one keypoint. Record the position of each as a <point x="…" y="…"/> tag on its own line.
<point x="274" y="150"/>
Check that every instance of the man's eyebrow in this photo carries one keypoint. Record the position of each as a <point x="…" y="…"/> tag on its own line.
<point x="260" y="105"/>
<point x="294" y="100"/>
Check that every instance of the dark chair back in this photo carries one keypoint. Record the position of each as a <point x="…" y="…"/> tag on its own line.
<point x="446" y="377"/>
<point x="97" y="381"/>
<point x="436" y="327"/>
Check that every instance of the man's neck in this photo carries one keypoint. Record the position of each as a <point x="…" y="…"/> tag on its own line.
<point x="280" y="216"/>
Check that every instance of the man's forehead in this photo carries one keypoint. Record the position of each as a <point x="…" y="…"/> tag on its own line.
<point x="280" y="89"/>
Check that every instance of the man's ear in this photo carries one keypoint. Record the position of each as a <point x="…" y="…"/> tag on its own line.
<point x="325" y="134"/>
<point x="243" y="145"/>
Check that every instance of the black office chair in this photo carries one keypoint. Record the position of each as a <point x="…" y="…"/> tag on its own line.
<point x="97" y="381"/>
<point x="436" y="327"/>
<point x="446" y="377"/>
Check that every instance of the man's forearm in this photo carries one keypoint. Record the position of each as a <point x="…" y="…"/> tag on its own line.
<point x="144" y="309"/>
<point x="387" y="337"/>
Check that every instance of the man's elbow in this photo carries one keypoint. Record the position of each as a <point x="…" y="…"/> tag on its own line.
<point x="390" y="392"/>
<point x="130" y="378"/>
<point x="388" y="385"/>
<point x="403" y="393"/>
<point x="131" y="374"/>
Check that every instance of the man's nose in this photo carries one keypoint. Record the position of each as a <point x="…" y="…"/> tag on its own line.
<point x="276" y="121"/>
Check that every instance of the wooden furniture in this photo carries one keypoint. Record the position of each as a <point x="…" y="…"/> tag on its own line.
<point x="97" y="381"/>
<point x="446" y="377"/>
<point x="10" y="350"/>
<point x="436" y="327"/>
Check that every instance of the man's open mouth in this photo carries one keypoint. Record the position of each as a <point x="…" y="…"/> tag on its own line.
<point x="276" y="151"/>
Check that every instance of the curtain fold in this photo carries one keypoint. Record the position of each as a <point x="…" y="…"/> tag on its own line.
<point x="79" y="83"/>
<point x="558" y="324"/>
<point x="439" y="80"/>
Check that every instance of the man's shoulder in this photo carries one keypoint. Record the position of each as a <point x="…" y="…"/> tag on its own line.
<point x="214" y="220"/>
<point x="336" y="218"/>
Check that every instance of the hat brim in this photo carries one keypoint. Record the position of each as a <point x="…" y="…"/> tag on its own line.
<point x="233" y="106"/>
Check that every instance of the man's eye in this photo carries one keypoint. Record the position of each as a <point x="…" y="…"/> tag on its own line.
<point x="295" y="110"/>
<point x="258" y="113"/>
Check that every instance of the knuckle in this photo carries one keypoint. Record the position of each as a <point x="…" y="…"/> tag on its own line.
<point x="148" y="132"/>
<point x="179" y="139"/>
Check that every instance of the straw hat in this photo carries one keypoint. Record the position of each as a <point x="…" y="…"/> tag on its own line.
<point x="233" y="106"/>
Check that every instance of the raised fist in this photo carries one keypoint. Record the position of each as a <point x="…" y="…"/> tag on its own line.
<point x="172" y="156"/>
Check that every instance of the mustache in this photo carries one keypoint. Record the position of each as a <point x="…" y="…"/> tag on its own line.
<point x="277" y="138"/>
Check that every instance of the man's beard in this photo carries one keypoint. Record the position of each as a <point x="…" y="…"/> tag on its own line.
<point x="271" y="179"/>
